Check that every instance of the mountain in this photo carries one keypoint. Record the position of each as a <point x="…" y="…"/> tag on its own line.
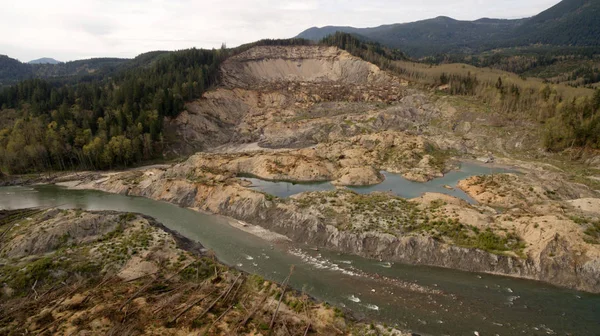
<point x="44" y="60"/>
<point x="569" y="23"/>
<point x="421" y="38"/>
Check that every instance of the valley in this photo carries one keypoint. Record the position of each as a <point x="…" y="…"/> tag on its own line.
<point x="350" y="139"/>
<point x="413" y="197"/>
<point x="532" y="236"/>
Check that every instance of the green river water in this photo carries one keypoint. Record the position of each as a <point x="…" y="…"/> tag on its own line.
<point x="453" y="302"/>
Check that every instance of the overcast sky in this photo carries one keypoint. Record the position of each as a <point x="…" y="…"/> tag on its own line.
<point x="69" y="30"/>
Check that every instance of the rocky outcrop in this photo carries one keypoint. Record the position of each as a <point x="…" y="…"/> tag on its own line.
<point x="350" y="161"/>
<point x="358" y="176"/>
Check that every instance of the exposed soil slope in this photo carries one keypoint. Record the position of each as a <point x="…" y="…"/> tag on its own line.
<point x="271" y="64"/>
<point x="68" y="272"/>
<point x="289" y="97"/>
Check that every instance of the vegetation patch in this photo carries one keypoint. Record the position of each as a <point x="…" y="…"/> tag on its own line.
<point x="591" y="228"/>
<point x="382" y="212"/>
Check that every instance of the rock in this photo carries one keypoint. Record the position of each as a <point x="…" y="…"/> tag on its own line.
<point x="415" y="176"/>
<point x="135" y="268"/>
<point x="485" y="159"/>
<point x="464" y="127"/>
<point x="358" y="176"/>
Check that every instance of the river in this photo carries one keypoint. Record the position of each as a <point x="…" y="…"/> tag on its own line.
<point x="426" y="300"/>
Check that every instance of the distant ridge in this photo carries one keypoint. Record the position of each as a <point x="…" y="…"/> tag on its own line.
<point x="44" y="60"/>
<point x="571" y="23"/>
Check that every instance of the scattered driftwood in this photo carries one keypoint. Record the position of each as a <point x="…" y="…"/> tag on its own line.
<point x="151" y="283"/>
<point x="138" y="293"/>
<point x="140" y="277"/>
<point x="174" y="320"/>
<point x="285" y="327"/>
<point x="69" y="294"/>
<point x="220" y="317"/>
<point x="237" y="290"/>
<point x="51" y="324"/>
<point x="101" y="284"/>
<point x="33" y="289"/>
<point x="307" y="312"/>
<point x="283" y="290"/>
<point x="179" y="271"/>
<point x="252" y="312"/>
<point x="57" y="286"/>
<point x="224" y="294"/>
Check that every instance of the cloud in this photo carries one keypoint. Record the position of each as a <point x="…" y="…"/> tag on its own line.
<point x="67" y="29"/>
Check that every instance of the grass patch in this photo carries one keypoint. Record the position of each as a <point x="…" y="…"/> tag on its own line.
<point x="591" y="228"/>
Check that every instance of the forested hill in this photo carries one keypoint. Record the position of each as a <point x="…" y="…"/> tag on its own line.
<point x="569" y="23"/>
<point x="44" y="60"/>
<point x="100" y="123"/>
<point x="428" y="37"/>
<point x="13" y="71"/>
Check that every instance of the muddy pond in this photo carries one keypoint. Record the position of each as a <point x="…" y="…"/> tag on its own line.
<point x="394" y="183"/>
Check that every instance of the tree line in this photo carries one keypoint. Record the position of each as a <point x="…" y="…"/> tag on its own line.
<point x="114" y="121"/>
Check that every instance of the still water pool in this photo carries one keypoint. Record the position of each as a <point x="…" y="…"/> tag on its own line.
<point x="394" y="183"/>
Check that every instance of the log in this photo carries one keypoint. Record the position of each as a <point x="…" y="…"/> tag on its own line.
<point x="219" y="318"/>
<point x="174" y="320"/>
<point x="138" y="293"/>
<point x="283" y="290"/>
<point x="254" y="310"/>
<point x="224" y="294"/>
<point x="150" y="283"/>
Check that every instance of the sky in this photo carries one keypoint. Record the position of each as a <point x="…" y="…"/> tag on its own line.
<point x="69" y="30"/>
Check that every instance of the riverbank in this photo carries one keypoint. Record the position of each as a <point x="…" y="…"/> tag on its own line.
<point x="127" y="273"/>
<point x="409" y="297"/>
<point x="532" y="237"/>
<point x="523" y="225"/>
